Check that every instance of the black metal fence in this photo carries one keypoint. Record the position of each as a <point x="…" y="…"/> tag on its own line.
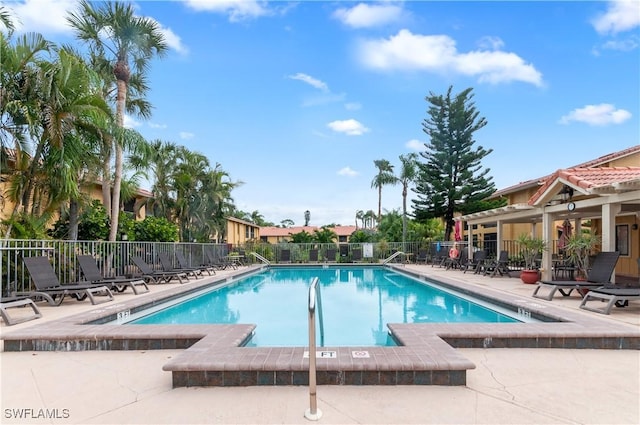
<point x="114" y="258"/>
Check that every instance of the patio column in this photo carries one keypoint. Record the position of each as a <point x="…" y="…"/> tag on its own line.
<point x="498" y="237"/>
<point x="547" y="235"/>
<point x="609" y="212"/>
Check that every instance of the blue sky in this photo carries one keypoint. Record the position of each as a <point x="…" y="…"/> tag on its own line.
<point x="297" y="99"/>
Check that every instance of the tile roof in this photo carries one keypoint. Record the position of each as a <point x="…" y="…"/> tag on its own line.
<point x="600" y="161"/>
<point x="286" y="231"/>
<point x="592" y="180"/>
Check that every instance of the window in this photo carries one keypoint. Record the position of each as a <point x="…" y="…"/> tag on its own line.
<point x="622" y="239"/>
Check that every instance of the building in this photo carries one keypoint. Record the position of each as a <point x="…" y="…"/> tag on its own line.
<point x="276" y="235"/>
<point x="604" y="192"/>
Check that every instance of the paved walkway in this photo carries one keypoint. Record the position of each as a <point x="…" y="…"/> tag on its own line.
<point x="508" y="385"/>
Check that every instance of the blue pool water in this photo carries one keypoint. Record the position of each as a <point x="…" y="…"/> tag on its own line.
<point x="357" y="304"/>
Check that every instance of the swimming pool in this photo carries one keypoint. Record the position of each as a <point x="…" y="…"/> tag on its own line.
<point x="357" y="304"/>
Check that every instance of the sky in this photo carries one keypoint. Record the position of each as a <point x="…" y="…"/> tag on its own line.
<point x="298" y="99"/>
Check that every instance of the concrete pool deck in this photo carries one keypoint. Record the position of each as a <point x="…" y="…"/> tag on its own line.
<point x="507" y="386"/>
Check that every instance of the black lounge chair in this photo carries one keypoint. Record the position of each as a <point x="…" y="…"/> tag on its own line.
<point x="499" y="266"/>
<point x="285" y="256"/>
<point x="220" y="263"/>
<point x="602" y="268"/>
<point x="49" y="288"/>
<point x="330" y="255"/>
<point x="614" y="296"/>
<point x="422" y="257"/>
<point x="167" y="265"/>
<point x="157" y="275"/>
<point x="313" y="255"/>
<point x="17" y="302"/>
<point x="476" y="263"/>
<point x="184" y="264"/>
<point x="356" y="255"/>
<point x="456" y="262"/>
<point x="92" y="273"/>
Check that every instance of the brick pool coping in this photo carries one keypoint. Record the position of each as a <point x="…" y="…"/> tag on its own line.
<point x="427" y="353"/>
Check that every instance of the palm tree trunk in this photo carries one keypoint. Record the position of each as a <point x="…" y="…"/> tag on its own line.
<point x="73" y="220"/>
<point x="117" y="178"/>
<point x="404" y="215"/>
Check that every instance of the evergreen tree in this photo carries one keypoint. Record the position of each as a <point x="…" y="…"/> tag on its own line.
<point x="451" y="178"/>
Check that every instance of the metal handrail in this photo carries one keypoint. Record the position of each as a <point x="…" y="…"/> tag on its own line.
<point x="313" y="413"/>
<point x="392" y="256"/>
<point x="261" y="258"/>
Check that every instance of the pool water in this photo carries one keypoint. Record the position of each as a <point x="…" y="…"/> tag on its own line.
<point x="357" y="303"/>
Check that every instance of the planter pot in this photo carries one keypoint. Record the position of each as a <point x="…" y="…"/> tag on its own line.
<point x="529" y="276"/>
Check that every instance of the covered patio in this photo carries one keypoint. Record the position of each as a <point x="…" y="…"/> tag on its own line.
<point x="608" y="197"/>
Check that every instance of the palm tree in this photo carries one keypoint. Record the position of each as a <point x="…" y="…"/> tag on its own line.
<point x="384" y="177"/>
<point x="359" y="216"/>
<point x="408" y="172"/>
<point x="121" y="39"/>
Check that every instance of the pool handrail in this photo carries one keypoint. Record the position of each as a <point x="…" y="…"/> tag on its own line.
<point x="313" y="413"/>
<point x="261" y="258"/>
<point x="392" y="256"/>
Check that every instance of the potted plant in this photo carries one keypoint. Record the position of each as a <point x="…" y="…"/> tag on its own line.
<point x="530" y="248"/>
<point x="578" y="248"/>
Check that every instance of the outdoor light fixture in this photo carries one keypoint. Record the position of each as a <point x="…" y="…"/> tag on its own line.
<point x="566" y="193"/>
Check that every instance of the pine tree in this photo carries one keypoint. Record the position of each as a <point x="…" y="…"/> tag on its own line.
<point x="451" y="178"/>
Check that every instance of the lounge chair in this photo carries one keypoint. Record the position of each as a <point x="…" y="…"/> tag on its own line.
<point x="499" y="266"/>
<point x="49" y="288"/>
<point x="17" y="302"/>
<point x="167" y="266"/>
<point x="330" y="255"/>
<point x="476" y="262"/>
<point x="456" y="262"/>
<point x="184" y="264"/>
<point x="157" y="275"/>
<point x="220" y="263"/>
<point x="422" y="257"/>
<point x="356" y="255"/>
<point x="313" y="255"/>
<point x="285" y="256"/>
<point x="92" y="273"/>
<point x="602" y="268"/>
<point x="614" y="296"/>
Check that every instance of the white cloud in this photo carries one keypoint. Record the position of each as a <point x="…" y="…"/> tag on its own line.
<point x="185" y="135"/>
<point x="602" y="114"/>
<point x="172" y="39"/>
<point x="438" y="53"/>
<point x="352" y="106"/>
<point x="46" y="17"/>
<point x="490" y="43"/>
<point x="347" y="171"/>
<point x="626" y="45"/>
<point x="415" y="145"/>
<point x="621" y="15"/>
<point x="314" y="82"/>
<point x="238" y="10"/>
<point x="349" y="127"/>
<point x="130" y="122"/>
<point x="154" y="125"/>
<point x="366" y="15"/>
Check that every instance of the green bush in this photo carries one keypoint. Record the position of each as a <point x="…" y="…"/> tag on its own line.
<point x="156" y="229"/>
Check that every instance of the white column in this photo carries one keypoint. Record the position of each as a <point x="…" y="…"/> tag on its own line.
<point x="498" y="237"/>
<point x="609" y="212"/>
<point x="547" y="235"/>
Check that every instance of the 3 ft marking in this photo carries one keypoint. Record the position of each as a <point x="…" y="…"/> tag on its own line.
<point x="524" y="313"/>
<point x="123" y="315"/>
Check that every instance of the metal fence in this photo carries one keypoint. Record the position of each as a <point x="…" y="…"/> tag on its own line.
<point x="113" y="258"/>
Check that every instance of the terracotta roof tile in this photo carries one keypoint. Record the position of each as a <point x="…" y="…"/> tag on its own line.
<point x="590" y="180"/>
<point x="592" y="163"/>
